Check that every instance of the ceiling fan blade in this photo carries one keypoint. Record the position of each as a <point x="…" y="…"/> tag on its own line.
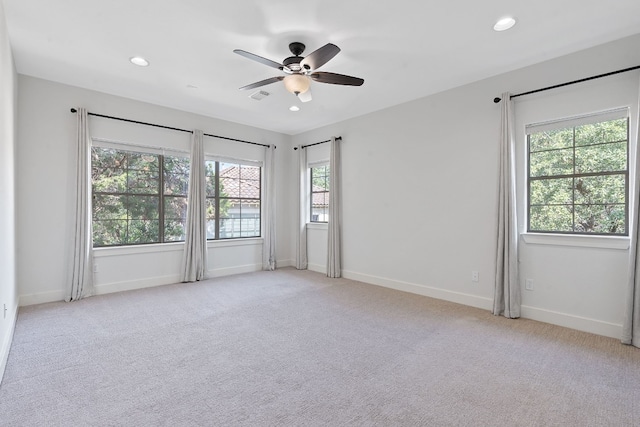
<point x="305" y="97"/>
<point x="319" y="57"/>
<point x="259" y="59"/>
<point x="262" y="83"/>
<point x="336" y="79"/>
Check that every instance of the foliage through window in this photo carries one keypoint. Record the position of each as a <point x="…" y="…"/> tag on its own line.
<point x="578" y="176"/>
<point x="320" y="193"/>
<point x="141" y="198"/>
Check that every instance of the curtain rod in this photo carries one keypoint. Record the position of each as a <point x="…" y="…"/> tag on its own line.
<point x="73" y="110"/>
<point x="496" y="100"/>
<point x="338" y="138"/>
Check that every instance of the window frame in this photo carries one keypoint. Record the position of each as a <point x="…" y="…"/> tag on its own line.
<point x="217" y="197"/>
<point x="159" y="193"/>
<point x="327" y="174"/>
<point x="159" y="154"/>
<point x="573" y="123"/>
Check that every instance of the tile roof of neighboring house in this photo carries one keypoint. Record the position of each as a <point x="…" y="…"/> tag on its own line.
<point x="244" y="181"/>
<point x="241" y="181"/>
<point x="320" y="200"/>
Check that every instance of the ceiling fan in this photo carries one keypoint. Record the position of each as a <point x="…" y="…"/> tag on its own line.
<point x="301" y="70"/>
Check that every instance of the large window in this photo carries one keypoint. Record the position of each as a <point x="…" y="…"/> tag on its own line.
<point x="141" y="198"/>
<point x="320" y="193"/>
<point x="578" y="175"/>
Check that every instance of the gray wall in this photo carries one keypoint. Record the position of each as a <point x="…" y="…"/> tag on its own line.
<point x="45" y="180"/>
<point x="420" y="194"/>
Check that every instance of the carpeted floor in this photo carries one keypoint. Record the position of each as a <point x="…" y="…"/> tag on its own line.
<point x="295" y="348"/>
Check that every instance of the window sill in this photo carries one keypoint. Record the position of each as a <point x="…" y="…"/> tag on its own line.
<point x="604" y="242"/>
<point x="137" y="249"/>
<point x="245" y="241"/>
<point x="317" y="225"/>
<point x="171" y="247"/>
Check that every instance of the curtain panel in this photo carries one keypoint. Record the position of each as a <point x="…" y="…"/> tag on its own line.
<point x="81" y="264"/>
<point x="301" y="217"/>
<point x="269" y="209"/>
<point x="506" y="300"/>
<point x="334" y="247"/>
<point x="194" y="259"/>
<point x="631" y="321"/>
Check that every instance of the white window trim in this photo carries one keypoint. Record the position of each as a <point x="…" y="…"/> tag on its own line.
<point x="313" y="165"/>
<point x="596" y="117"/>
<point x="318" y="164"/>
<point x="235" y="161"/>
<point x="109" y="251"/>
<point x="580" y="240"/>
<point x="576" y="240"/>
<point x="137" y="148"/>
<point x="317" y="225"/>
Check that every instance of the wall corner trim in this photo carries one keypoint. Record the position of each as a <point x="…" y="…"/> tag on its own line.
<point x="6" y="345"/>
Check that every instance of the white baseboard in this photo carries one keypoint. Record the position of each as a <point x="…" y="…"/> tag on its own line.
<point x="169" y="280"/>
<point x="8" y="339"/>
<point x="428" y="291"/>
<point x="41" y="298"/>
<point x="320" y="269"/>
<point x="571" y="321"/>
<point x="130" y="285"/>
<point x="230" y="271"/>
<point x="285" y="263"/>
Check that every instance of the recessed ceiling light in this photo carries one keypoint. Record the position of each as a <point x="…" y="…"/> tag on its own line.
<point x="504" y="24"/>
<point x="139" y="61"/>
<point x="294" y="108"/>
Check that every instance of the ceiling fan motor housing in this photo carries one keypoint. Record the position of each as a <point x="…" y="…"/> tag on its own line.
<point x="292" y="63"/>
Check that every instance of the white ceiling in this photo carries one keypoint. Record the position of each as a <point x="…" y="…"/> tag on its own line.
<point x="403" y="49"/>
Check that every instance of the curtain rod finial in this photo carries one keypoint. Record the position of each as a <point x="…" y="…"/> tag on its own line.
<point x="496" y="100"/>
<point x="73" y="110"/>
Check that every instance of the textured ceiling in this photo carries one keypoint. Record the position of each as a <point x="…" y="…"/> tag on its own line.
<point x="403" y="49"/>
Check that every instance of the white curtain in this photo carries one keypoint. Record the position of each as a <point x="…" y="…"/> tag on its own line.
<point x="506" y="299"/>
<point x="81" y="265"/>
<point x="269" y="209"/>
<point x="194" y="259"/>
<point x="301" y="217"/>
<point x="631" y="324"/>
<point x="334" y="266"/>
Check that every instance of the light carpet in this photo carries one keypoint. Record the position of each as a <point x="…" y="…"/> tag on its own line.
<point x="294" y="348"/>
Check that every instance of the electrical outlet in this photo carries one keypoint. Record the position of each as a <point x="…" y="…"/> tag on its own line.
<point x="528" y="284"/>
<point x="475" y="276"/>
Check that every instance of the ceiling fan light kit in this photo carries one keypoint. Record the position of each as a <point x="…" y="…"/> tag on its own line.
<point x="297" y="83"/>
<point x="301" y="70"/>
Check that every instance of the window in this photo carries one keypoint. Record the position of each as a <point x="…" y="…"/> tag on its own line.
<point x="141" y="198"/>
<point x="320" y="193"/>
<point x="176" y="186"/>
<point x="137" y="197"/>
<point x="578" y="175"/>
<point x="237" y="211"/>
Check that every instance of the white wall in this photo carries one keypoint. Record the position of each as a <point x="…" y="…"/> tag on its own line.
<point x="8" y="107"/>
<point x="419" y="194"/>
<point x="47" y="131"/>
